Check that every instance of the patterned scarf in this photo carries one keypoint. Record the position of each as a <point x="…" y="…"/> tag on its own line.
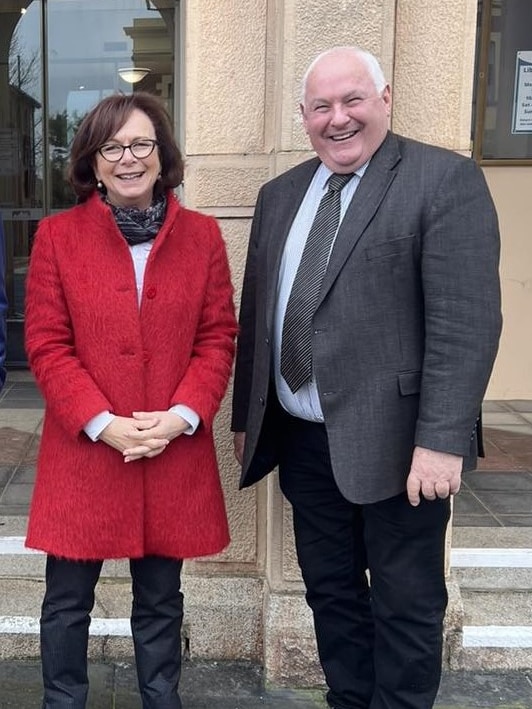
<point x="140" y="225"/>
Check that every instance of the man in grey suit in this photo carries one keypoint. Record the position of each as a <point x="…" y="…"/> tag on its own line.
<point x="365" y="386"/>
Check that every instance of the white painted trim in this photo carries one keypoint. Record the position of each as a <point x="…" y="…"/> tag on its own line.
<point x="492" y="558"/>
<point x="15" y="545"/>
<point x="504" y="636"/>
<point x="27" y="625"/>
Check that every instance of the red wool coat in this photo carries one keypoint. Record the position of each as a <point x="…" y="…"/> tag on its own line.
<point x="91" y="349"/>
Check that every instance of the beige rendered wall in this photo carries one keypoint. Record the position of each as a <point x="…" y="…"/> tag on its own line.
<point x="512" y="375"/>
<point x="433" y="71"/>
<point x="433" y="76"/>
<point x="243" y="63"/>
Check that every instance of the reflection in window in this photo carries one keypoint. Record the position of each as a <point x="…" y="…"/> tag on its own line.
<point x="84" y="66"/>
<point x="87" y="43"/>
<point x="21" y="148"/>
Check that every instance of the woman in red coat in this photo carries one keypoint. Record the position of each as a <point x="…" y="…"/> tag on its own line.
<point x="130" y="335"/>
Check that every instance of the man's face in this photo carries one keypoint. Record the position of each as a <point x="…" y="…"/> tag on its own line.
<point x="345" y="117"/>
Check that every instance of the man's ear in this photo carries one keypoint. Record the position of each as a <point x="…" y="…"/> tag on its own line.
<point x="387" y="98"/>
<point x="303" y="118"/>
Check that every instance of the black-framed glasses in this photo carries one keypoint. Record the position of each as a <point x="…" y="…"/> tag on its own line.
<point x="140" y="149"/>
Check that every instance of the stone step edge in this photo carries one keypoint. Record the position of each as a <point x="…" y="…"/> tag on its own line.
<point x="491" y="558"/>
<point x="499" y="636"/>
<point x="460" y="557"/>
<point x="15" y="545"/>
<point x="29" y="625"/>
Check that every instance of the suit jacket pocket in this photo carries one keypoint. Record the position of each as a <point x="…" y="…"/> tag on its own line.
<point x="393" y="247"/>
<point x="409" y="383"/>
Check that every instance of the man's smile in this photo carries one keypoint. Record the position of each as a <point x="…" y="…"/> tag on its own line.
<point x="344" y="136"/>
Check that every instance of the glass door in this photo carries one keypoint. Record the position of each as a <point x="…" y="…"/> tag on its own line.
<point x="21" y="152"/>
<point x="58" y="58"/>
<point x="96" y="48"/>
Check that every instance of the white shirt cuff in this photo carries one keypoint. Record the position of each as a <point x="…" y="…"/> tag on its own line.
<point x="97" y="424"/>
<point x="190" y="416"/>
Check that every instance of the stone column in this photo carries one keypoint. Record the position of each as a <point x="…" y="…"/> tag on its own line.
<point x="243" y="67"/>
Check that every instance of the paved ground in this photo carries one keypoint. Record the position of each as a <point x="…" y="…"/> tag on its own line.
<point x="239" y="686"/>
<point x="498" y="494"/>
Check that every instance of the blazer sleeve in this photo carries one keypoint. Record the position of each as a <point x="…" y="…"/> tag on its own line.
<point x="247" y="322"/>
<point x="462" y="307"/>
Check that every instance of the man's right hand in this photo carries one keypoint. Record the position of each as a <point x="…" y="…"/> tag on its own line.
<point x="239" y="440"/>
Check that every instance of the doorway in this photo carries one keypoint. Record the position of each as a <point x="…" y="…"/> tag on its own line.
<point x="58" y="58"/>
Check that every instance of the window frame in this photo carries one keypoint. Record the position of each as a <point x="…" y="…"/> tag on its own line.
<point x="481" y="90"/>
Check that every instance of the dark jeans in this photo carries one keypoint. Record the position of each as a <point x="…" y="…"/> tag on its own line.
<point x="156" y="617"/>
<point x="380" y="644"/>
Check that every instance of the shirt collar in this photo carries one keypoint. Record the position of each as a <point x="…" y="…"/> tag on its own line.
<point x="323" y="173"/>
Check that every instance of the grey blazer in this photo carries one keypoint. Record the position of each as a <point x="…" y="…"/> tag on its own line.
<point x="407" y="323"/>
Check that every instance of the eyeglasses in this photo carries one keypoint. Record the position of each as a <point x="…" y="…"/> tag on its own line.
<point x="140" y="149"/>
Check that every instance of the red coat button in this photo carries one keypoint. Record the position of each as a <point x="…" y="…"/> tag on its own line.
<point x="151" y="292"/>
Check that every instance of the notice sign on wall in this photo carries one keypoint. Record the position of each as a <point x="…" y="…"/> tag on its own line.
<point x="522" y="112"/>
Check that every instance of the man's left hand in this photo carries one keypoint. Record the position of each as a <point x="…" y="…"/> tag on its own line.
<point x="433" y="474"/>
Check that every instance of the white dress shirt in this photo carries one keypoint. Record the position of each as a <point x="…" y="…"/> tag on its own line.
<point x="139" y="254"/>
<point x="304" y="403"/>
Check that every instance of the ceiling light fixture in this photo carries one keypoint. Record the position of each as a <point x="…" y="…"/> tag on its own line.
<point x="133" y="74"/>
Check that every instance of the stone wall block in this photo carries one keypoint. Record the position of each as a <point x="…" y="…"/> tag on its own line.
<point x="433" y="75"/>
<point x="291" y="658"/>
<point x="368" y="23"/>
<point x="223" y="617"/>
<point x="225" y="62"/>
<point x="214" y="182"/>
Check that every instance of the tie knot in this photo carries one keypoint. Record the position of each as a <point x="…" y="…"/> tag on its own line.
<point x="337" y="182"/>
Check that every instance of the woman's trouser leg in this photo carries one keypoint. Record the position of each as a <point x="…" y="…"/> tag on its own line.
<point x="156" y="619"/>
<point x="65" y="619"/>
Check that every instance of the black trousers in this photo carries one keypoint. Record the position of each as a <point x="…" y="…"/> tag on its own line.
<point x="379" y="643"/>
<point x="156" y="618"/>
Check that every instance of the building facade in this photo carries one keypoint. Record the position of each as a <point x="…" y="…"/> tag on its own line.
<point x="229" y="72"/>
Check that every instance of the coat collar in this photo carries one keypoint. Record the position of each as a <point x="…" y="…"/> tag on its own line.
<point x="96" y="209"/>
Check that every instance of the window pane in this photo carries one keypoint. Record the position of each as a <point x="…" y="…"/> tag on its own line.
<point x="21" y="153"/>
<point x="85" y="66"/>
<point x="507" y="52"/>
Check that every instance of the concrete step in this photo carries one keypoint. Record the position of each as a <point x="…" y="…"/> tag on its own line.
<point x="491" y="626"/>
<point x="497" y="579"/>
<point x="491" y="538"/>
<point x="18" y="562"/>
<point x="502" y="608"/>
<point x="223" y="616"/>
<point x="20" y="604"/>
<point x="495" y="590"/>
<point x="21" y="593"/>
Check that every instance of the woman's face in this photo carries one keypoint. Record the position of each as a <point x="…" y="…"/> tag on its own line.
<point x="129" y="180"/>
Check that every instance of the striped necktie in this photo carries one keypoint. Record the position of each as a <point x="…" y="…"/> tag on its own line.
<point x="296" y="343"/>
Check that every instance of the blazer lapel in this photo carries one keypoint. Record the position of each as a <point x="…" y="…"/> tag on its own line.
<point x="366" y="200"/>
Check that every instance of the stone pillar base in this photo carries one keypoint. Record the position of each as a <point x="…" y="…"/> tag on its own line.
<point x="290" y="655"/>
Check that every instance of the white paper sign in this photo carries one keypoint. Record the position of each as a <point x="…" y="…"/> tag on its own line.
<point x="522" y="111"/>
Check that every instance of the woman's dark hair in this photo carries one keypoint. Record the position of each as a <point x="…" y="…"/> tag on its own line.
<point x="106" y="119"/>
